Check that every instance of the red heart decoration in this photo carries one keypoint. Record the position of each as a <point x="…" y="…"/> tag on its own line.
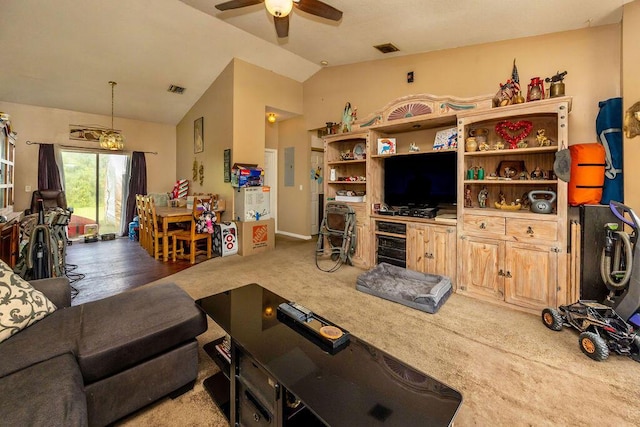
<point x="507" y="131"/>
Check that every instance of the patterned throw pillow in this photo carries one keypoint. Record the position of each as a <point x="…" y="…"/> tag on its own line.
<point x="20" y="304"/>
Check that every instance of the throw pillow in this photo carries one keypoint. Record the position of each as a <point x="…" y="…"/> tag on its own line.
<point x="21" y="305"/>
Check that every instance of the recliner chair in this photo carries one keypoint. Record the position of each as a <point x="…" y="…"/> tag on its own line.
<point x="51" y="199"/>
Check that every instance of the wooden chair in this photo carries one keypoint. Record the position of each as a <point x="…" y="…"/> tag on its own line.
<point x="191" y="236"/>
<point x="142" y="221"/>
<point x="156" y="233"/>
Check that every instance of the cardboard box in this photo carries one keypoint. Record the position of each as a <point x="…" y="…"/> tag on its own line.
<point x="252" y="204"/>
<point x="246" y="175"/>
<point x="386" y="146"/>
<point x="256" y="236"/>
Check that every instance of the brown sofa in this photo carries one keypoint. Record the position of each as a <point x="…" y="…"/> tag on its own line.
<point x="95" y="363"/>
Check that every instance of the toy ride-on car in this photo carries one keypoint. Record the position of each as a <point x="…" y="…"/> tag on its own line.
<point x="601" y="329"/>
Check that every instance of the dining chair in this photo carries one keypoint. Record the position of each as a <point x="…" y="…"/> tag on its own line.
<point x="192" y="236"/>
<point x="157" y="234"/>
<point x="142" y="221"/>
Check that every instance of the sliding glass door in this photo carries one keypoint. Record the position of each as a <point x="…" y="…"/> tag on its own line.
<point x="94" y="186"/>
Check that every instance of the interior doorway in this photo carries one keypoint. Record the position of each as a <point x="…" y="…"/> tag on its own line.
<point x="94" y="187"/>
<point x="271" y="179"/>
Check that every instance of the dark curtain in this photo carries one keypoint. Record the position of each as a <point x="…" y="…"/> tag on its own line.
<point x="137" y="185"/>
<point x="48" y="172"/>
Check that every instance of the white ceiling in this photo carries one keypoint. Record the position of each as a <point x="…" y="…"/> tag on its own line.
<point x="63" y="53"/>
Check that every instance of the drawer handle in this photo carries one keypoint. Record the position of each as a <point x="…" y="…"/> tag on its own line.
<point x="508" y="275"/>
<point x="529" y="230"/>
<point x="429" y="255"/>
<point x="500" y="272"/>
<point x="483" y="226"/>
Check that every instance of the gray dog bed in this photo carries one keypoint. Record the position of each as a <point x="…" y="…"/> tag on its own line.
<point x="426" y="292"/>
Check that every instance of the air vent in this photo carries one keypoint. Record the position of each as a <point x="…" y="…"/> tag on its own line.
<point x="176" y="89"/>
<point x="387" y="48"/>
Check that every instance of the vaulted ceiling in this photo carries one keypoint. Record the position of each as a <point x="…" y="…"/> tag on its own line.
<point x="63" y="53"/>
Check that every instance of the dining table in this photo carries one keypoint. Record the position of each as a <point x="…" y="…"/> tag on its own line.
<point x="171" y="215"/>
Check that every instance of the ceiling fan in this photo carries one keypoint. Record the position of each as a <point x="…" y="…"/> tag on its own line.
<point x="280" y="10"/>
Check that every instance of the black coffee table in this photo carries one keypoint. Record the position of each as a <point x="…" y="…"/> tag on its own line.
<point x="272" y="366"/>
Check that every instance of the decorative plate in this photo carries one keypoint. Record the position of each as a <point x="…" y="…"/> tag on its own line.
<point x="359" y="149"/>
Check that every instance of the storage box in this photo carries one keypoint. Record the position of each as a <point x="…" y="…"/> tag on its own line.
<point x="252" y="203"/>
<point x="386" y="146"/>
<point x="246" y="175"/>
<point x="225" y="239"/>
<point x="256" y="236"/>
<point x="350" y="199"/>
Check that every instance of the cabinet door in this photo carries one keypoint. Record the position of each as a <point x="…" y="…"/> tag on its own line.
<point x="432" y="249"/>
<point x="417" y="248"/>
<point x="9" y="244"/>
<point x="530" y="275"/>
<point x="442" y="251"/>
<point x="480" y="273"/>
<point x="363" y="244"/>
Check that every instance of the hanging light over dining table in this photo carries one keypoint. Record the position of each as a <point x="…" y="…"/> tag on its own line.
<point x="111" y="139"/>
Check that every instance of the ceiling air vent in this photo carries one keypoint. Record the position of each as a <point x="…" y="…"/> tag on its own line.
<point x="387" y="48"/>
<point x="176" y="89"/>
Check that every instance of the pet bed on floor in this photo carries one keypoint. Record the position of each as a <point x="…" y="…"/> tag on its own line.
<point x="422" y="291"/>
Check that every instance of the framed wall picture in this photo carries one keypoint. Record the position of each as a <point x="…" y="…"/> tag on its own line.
<point x="198" y="135"/>
<point x="227" y="165"/>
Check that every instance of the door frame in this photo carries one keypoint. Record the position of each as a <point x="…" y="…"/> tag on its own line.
<point x="271" y="179"/>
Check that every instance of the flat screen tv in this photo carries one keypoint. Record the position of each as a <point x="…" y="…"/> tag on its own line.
<point x="424" y="180"/>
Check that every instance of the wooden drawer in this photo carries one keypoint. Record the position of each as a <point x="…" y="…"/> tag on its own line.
<point x="523" y="230"/>
<point x="484" y="224"/>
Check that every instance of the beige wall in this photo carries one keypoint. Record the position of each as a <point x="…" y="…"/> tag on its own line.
<point x="631" y="95"/>
<point x="591" y="57"/>
<point x="215" y="107"/>
<point x="294" y="213"/>
<point x="233" y="109"/>
<point x="51" y="125"/>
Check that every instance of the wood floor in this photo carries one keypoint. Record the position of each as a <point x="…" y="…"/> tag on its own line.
<point x="98" y="270"/>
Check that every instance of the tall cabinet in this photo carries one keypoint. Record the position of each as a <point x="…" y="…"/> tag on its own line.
<point x="508" y="252"/>
<point x="9" y="227"/>
<point x="346" y="181"/>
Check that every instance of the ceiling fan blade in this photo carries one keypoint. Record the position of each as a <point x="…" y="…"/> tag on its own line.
<point x="236" y="4"/>
<point x="318" y="8"/>
<point x="282" y="26"/>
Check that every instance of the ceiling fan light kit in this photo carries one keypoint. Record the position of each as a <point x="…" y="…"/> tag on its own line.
<point x="111" y="139"/>
<point x="279" y="8"/>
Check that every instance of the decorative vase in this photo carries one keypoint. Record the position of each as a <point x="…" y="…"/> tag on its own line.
<point x="471" y="144"/>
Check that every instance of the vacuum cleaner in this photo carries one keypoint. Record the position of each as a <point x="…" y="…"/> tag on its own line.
<point x="620" y="264"/>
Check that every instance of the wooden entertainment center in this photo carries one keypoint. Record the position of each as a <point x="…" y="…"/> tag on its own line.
<point x="499" y="253"/>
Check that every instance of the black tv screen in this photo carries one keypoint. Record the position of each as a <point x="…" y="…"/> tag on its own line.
<point x="427" y="179"/>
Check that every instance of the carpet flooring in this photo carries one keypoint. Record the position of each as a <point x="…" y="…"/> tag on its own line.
<point x="510" y="369"/>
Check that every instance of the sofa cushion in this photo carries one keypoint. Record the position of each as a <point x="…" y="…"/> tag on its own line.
<point x="50" y="393"/>
<point x="55" y="335"/>
<point x="123" y="330"/>
<point x="20" y="304"/>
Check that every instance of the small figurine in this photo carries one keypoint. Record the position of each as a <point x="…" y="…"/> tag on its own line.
<point x="347" y="118"/>
<point x="482" y="197"/>
<point x="502" y="199"/>
<point x="543" y="141"/>
<point x="537" y="173"/>
<point x="523" y="175"/>
<point x="413" y="148"/>
<point x="467" y="197"/>
<point x="499" y="145"/>
<point x="484" y="146"/>
<point x="522" y="144"/>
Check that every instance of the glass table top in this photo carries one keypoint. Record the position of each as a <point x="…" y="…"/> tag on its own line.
<point x="359" y="385"/>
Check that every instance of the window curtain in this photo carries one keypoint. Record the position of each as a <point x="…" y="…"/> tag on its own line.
<point x="137" y="185"/>
<point x="48" y="171"/>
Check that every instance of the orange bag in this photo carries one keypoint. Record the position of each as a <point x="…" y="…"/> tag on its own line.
<point x="587" y="173"/>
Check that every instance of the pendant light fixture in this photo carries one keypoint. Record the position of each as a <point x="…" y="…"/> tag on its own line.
<point x="111" y="139"/>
